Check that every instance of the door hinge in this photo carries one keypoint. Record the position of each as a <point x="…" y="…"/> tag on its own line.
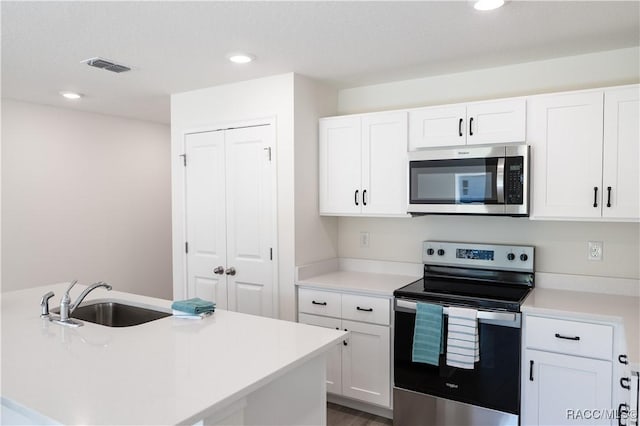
<point x="271" y="253"/>
<point x="184" y="159"/>
<point x="186" y="247"/>
<point x="268" y="149"/>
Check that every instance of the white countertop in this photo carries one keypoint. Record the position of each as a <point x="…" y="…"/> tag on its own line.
<point x="591" y="307"/>
<point x="167" y="371"/>
<point x="358" y="282"/>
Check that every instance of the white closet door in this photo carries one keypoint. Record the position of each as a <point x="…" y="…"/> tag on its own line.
<point x="205" y="216"/>
<point x="249" y="219"/>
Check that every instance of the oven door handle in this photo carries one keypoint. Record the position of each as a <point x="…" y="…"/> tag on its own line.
<point x="482" y="315"/>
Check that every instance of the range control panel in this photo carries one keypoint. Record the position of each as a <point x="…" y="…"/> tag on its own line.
<point x="489" y="256"/>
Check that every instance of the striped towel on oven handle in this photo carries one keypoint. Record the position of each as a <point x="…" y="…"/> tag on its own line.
<point x="463" y="345"/>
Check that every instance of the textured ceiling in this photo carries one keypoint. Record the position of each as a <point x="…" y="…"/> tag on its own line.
<point x="180" y="46"/>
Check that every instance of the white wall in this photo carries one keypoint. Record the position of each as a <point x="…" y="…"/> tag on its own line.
<point x="84" y="196"/>
<point x="609" y="68"/>
<point x="253" y="99"/>
<point x="316" y="236"/>
<point x="562" y="246"/>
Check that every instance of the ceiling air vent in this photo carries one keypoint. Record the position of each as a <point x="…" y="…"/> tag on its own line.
<point x="106" y="64"/>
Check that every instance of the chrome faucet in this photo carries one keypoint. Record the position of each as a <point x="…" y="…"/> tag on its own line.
<point x="66" y="308"/>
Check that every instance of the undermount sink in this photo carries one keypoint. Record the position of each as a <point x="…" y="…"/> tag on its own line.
<point x="112" y="313"/>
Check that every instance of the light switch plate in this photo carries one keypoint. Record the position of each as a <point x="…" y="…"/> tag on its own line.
<point x="595" y="250"/>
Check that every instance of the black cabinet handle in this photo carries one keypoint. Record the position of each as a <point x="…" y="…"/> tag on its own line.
<point x="344" y="342"/>
<point x="625" y="383"/>
<point x="623" y="413"/>
<point x="608" y="196"/>
<point x="364" y="197"/>
<point x="319" y="303"/>
<point x="460" y="128"/>
<point x="622" y="359"/>
<point x="595" y="196"/>
<point x="471" y="126"/>
<point x="355" y="197"/>
<point x="560" y="336"/>
<point x="531" y="370"/>
<point x="364" y="309"/>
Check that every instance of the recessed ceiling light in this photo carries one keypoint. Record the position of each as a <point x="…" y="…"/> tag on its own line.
<point x="240" y="58"/>
<point x="71" y="95"/>
<point x="488" y="4"/>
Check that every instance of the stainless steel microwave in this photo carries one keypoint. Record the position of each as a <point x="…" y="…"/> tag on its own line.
<point x="488" y="180"/>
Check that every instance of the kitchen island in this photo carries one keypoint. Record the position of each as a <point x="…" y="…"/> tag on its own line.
<point x="230" y="368"/>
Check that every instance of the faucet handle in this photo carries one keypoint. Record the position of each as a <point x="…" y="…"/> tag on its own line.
<point x="74" y="282"/>
<point x="44" y="304"/>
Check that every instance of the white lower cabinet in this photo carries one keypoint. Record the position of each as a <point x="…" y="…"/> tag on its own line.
<point x="360" y="366"/>
<point x="563" y="381"/>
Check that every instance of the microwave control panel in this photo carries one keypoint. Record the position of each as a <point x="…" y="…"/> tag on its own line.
<point x="514" y="180"/>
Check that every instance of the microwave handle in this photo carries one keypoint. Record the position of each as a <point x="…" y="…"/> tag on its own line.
<point x="500" y="180"/>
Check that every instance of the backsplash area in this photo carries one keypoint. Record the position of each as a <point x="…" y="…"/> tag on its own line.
<point x="561" y="246"/>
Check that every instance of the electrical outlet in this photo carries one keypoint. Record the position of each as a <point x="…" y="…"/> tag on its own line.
<point x="595" y="250"/>
<point x="364" y="239"/>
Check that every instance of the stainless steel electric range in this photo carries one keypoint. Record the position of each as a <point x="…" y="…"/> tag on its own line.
<point x="492" y="279"/>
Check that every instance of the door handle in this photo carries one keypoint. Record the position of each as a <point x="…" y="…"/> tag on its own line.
<point x="531" y="370"/>
<point x="364" y="197"/>
<point x="344" y="342"/>
<point x="471" y="126"/>
<point x="355" y="197"/>
<point x="219" y="270"/>
<point x="230" y="271"/>
<point x="460" y="127"/>
<point x="364" y="309"/>
<point x="608" y="196"/>
<point x="625" y="383"/>
<point x="595" y="196"/>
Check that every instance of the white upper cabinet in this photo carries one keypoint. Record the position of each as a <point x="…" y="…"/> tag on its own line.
<point x="340" y="165"/>
<point x="584" y="153"/>
<point x="620" y="174"/>
<point x="565" y="134"/>
<point x="363" y="165"/>
<point x="501" y="121"/>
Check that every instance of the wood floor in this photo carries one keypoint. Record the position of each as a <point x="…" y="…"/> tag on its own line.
<point x="337" y="415"/>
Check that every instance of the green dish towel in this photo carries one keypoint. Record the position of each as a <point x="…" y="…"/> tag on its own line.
<point x="193" y="306"/>
<point x="427" y="336"/>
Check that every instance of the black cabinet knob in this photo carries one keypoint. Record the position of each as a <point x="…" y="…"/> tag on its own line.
<point x="440" y="252"/>
<point x="524" y="257"/>
<point x="511" y="256"/>
<point x="430" y="252"/>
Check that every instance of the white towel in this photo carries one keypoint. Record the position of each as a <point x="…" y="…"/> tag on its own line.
<point x="463" y="346"/>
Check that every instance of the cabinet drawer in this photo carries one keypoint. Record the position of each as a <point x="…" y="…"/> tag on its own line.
<point x="366" y="309"/>
<point x="569" y="337"/>
<point x="319" y="302"/>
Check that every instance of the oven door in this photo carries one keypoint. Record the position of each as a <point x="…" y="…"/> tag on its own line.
<point x="494" y="383"/>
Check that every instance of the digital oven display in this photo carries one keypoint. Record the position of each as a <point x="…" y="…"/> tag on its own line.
<point x="474" y="254"/>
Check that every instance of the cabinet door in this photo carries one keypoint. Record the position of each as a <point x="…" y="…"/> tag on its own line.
<point x="334" y="356"/>
<point x="563" y="386"/>
<point x="205" y="216"/>
<point x="437" y="126"/>
<point x="249" y="219"/>
<point x="565" y="133"/>
<point x="496" y="122"/>
<point x="340" y="166"/>
<point x="621" y="153"/>
<point x="384" y="164"/>
<point x="366" y="363"/>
